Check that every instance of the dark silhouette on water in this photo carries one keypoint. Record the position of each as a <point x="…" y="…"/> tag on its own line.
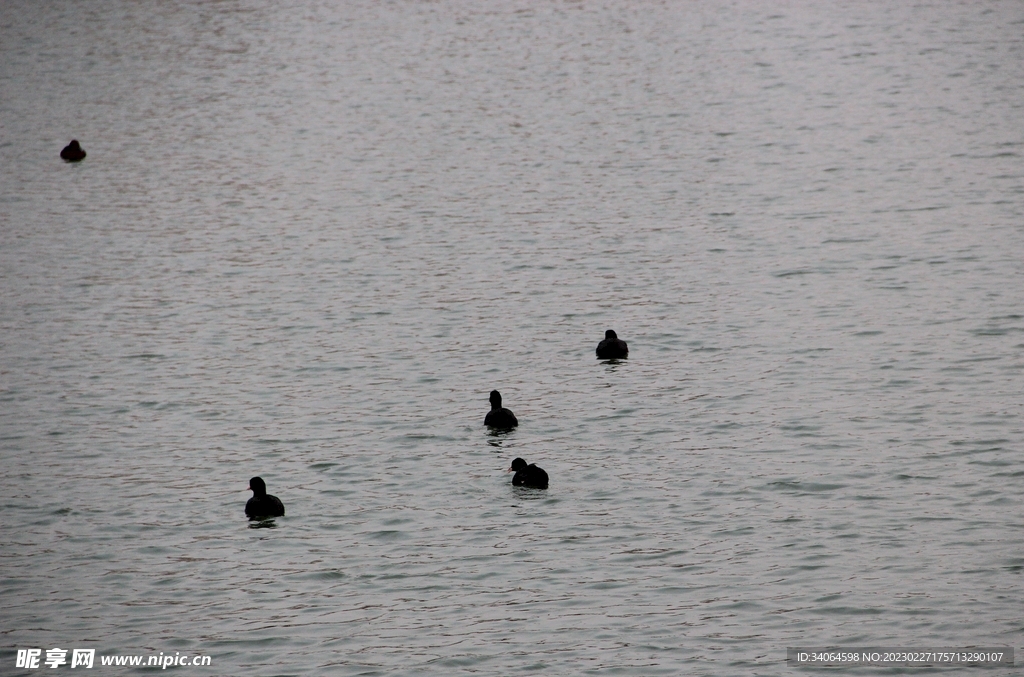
<point x="528" y="475"/>
<point x="262" y="504"/>
<point x="72" y="152"/>
<point x="498" y="416"/>
<point x="612" y="347"/>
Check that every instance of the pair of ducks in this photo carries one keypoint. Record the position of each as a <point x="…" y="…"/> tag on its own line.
<point x="263" y="505"/>
<point x="526" y="475"/>
<point x="529" y="475"/>
<point x="611" y="348"/>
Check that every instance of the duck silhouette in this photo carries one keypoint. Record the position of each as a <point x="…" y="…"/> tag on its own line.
<point x="262" y="504"/>
<point x="612" y="347"/>
<point x="499" y="416"/>
<point x="528" y="475"/>
<point x="72" y="152"/>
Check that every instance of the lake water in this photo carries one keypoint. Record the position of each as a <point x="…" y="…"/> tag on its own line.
<point x="310" y="237"/>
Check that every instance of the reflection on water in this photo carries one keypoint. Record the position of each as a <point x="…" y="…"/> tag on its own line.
<point x="265" y="523"/>
<point x="308" y="236"/>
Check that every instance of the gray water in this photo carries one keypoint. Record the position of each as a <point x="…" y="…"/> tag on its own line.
<point x="310" y="237"/>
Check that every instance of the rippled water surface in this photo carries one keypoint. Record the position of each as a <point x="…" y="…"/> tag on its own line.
<point x="310" y="237"/>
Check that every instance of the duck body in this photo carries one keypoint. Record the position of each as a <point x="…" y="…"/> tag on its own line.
<point x="72" y="152"/>
<point x="612" y="347"/>
<point x="499" y="416"/>
<point x="262" y="504"/>
<point x="528" y="475"/>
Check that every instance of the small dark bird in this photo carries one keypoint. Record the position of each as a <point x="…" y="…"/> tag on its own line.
<point x="612" y="347"/>
<point x="498" y="416"/>
<point x="72" y="152"/>
<point x="262" y="504"/>
<point x="528" y="475"/>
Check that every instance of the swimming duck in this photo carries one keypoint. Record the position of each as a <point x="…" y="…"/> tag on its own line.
<point x="498" y="416"/>
<point x="528" y="475"/>
<point x="72" y="152"/>
<point x="262" y="504"/>
<point x="612" y="347"/>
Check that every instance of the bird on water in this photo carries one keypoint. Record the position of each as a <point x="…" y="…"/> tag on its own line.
<point x="528" y="475"/>
<point x="499" y="416"/>
<point x="262" y="504"/>
<point x="612" y="347"/>
<point x="72" y="152"/>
